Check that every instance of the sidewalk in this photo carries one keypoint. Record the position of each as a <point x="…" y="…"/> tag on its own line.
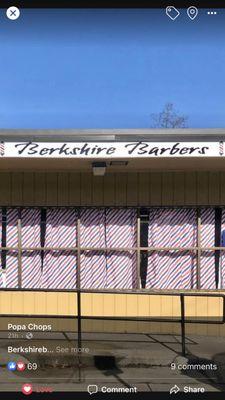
<point x="122" y="360"/>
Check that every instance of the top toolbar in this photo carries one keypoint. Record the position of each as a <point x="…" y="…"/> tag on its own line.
<point x="112" y="3"/>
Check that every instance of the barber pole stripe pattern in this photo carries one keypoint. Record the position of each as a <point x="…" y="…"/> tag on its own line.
<point x="159" y="236"/>
<point x="12" y="256"/>
<point x="185" y="232"/>
<point x="60" y="267"/>
<point x="153" y="272"/>
<point x="93" y="263"/>
<point x="121" y="232"/>
<point x="167" y="273"/>
<point x="153" y="269"/>
<point x="207" y="276"/>
<point x="1" y="272"/>
<point x="222" y="254"/>
<point x="2" y="278"/>
<point x="31" y="260"/>
<point x="2" y="148"/>
<point x="171" y="269"/>
<point x="221" y="148"/>
<point x="188" y="238"/>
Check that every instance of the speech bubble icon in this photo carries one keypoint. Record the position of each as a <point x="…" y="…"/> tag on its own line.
<point x="92" y="389"/>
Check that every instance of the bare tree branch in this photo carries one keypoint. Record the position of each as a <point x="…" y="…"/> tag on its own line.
<point x="169" y="118"/>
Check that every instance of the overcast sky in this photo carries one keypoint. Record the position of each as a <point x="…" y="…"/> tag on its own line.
<point x="110" y="68"/>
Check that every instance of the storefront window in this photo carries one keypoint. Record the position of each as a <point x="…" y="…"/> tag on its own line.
<point x="112" y="248"/>
<point x="109" y="236"/>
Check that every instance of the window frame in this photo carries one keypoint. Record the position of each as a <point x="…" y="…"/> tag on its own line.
<point x="138" y="249"/>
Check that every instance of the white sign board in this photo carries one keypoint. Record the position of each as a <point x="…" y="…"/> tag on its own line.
<point x="106" y="150"/>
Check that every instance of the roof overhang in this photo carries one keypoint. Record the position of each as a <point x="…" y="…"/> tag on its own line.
<point x="213" y="159"/>
<point x="101" y="135"/>
<point x="134" y="165"/>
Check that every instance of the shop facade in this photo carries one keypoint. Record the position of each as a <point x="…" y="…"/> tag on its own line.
<point x="120" y="214"/>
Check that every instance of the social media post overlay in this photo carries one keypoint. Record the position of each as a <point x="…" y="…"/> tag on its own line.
<point x="40" y="351"/>
<point x="41" y="356"/>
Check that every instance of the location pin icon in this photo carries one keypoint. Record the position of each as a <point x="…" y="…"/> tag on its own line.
<point x="192" y="12"/>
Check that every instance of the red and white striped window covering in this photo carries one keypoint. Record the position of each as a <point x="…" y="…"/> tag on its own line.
<point x="92" y="234"/>
<point x="1" y="270"/>
<point x="178" y="228"/>
<point x="12" y="255"/>
<point x="60" y="267"/>
<point x="108" y="228"/>
<point x="207" y="263"/>
<point x="172" y="269"/>
<point x="121" y="231"/>
<point x="112" y="269"/>
<point x="222" y="255"/>
<point x="31" y="260"/>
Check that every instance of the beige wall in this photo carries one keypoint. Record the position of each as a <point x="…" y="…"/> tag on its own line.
<point x="115" y="305"/>
<point x="114" y="189"/>
<point x="121" y="189"/>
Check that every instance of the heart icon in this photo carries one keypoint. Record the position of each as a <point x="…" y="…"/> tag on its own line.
<point x="20" y="366"/>
<point x="27" y="388"/>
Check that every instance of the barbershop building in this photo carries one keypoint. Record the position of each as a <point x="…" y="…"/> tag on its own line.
<point x="128" y="217"/>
